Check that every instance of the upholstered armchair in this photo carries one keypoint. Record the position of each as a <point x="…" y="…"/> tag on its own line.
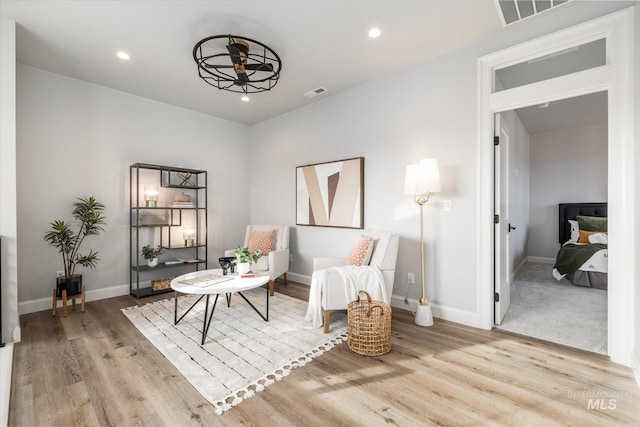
<point x="276" y="254"/>
<point x="383" y="255"/>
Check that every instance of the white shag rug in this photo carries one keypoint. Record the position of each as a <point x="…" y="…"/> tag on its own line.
<point x="242" y="354"/>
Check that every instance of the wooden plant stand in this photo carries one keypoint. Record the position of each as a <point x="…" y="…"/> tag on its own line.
<point x="65" y="299"/>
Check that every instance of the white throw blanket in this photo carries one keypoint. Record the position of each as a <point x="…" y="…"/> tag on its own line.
<point x="356" y="279"/>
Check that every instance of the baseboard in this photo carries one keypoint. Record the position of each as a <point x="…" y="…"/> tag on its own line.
<point x="299" y="278"/>
<point x="6" y="365"/>
<point x="439" y="311"/>
<point x="41" y="304"/>
<point x="515" y="272"/>
<point x="542" y="260"/>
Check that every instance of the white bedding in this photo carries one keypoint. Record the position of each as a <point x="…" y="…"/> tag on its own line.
<point x="599" y="262"/>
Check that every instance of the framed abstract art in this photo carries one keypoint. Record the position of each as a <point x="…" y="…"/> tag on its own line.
<point x="331" y="194"/>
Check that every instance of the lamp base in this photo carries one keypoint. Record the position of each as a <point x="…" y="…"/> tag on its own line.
<point x="424" y="317"/>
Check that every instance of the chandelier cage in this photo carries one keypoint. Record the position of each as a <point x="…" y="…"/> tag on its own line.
<point x="243" y="65"/>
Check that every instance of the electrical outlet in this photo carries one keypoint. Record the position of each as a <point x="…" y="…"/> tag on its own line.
<point x="410" y="278"/>
<point x="447" y="205"/>
<point x="290" y="257"/>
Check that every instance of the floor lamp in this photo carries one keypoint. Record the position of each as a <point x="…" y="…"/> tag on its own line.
<point x="422" y="179"/>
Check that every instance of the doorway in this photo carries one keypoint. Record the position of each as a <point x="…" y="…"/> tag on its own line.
<point x="616" y="78"/>
<point x="557" y="154"/>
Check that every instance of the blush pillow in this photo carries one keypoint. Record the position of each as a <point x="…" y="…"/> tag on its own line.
<point x="261" y="239"/>
<point x="360" y="253"/>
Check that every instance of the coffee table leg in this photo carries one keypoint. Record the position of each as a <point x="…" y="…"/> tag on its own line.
<point x="206" y="323"/>
<point x="265" y="318"/>
<point x="175" y="309"/>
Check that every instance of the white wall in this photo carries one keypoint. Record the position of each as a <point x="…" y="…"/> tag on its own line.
<point x="8" y="260"/>
<point x="391" y="122"/>
<point x="568" y="166"/>
<point x="429" y="110"/>
<point x="8" y="228"/>
<point x="77" y="139"/>
<point x="518" y="188"/>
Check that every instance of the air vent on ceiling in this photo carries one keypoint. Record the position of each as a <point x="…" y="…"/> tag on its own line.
<point x="315" y="92"/>
<point x="512" y="11"/>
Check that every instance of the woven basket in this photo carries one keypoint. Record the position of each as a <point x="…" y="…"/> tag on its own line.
<point x="369" y="326"/>
<point x="160" y="284"/>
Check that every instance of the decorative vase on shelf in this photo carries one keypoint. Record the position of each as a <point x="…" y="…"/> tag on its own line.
<point x="152" y="262"/>
<point x="243" y="267"/>
<point x="182" y="198"/>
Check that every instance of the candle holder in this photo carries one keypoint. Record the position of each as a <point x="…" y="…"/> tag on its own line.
<point x="151" y="196"/>
<point x="189" y="236"/>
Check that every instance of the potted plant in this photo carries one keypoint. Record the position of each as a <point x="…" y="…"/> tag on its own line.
<point x="246" y="258"/>
<point x="151" y="254"/>
<point x="88" y="214"/>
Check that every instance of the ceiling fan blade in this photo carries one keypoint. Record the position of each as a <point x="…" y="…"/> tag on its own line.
<point x="259" y="67"/>
<point x="238" y="50"/>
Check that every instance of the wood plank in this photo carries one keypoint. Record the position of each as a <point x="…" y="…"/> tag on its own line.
<point x="97" y="369"/>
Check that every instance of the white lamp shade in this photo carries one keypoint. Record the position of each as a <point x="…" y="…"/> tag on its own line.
<point x="411" y="179"/>
<point x="421" y="178"/>
<point x="428" y="176"/>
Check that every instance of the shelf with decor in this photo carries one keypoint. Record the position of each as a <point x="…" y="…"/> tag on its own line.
<point x="168" y="212"/>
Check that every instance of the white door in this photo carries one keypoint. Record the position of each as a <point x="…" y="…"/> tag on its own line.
<point x="502" y="294"/>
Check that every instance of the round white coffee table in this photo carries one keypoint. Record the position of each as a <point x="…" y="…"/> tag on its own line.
<point x="212" y="282"/>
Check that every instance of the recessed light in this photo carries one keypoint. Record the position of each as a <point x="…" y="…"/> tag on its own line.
<point x="374" y="33"/>
<point x="245" y="98"/>
<point x="123" y="55"/>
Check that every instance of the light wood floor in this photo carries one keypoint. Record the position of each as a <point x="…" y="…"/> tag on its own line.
<point x="96" y="369"/>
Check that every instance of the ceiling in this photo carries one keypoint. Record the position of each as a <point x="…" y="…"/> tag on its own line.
<point x="321" y="43"/>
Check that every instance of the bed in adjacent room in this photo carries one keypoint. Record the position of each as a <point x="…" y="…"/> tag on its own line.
<point x="583" y="257"/>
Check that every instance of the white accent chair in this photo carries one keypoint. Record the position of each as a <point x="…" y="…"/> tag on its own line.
<point x="384" y="255"/>
<point x="277" y="261"/>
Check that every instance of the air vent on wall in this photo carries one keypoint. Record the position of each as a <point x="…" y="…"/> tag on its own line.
<point x="315" y="92"/>
<point x="512" y="11"/>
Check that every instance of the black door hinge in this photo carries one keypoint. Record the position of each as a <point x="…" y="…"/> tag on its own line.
<point x="496" y="219"/>
<point x="496" y="140"/>
<point x="496" y="297"/>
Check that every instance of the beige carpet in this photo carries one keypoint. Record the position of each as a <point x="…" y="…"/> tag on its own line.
<point x="557" y="311"/>
<point x="242" y="354"/>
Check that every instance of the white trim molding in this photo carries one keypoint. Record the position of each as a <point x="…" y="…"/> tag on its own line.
<point x="541" y="259"/>
<point x="6" y="366"/>
<point x="299" y="278"/>
<point x="456" y="315"/>
<point x="615" y="77"/>
<point x="41" y="304"/>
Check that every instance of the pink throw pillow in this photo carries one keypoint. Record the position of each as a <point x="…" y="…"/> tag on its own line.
<point x="360" y="253"/>
<point x="261" y="239"/>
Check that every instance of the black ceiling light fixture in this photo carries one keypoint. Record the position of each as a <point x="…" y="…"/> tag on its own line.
<point x="237" y="63"/>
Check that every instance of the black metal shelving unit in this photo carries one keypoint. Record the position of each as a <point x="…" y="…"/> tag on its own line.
<point x="162" y="222"/>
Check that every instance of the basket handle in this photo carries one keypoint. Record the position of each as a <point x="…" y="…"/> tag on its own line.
<point x="375" y="306"/>
<point x="366" y="293"/>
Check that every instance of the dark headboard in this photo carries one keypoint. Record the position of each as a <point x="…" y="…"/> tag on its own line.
<point x="567" y="211"/>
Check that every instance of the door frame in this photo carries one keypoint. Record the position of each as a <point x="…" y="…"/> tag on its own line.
<point x="616" y="78"/>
